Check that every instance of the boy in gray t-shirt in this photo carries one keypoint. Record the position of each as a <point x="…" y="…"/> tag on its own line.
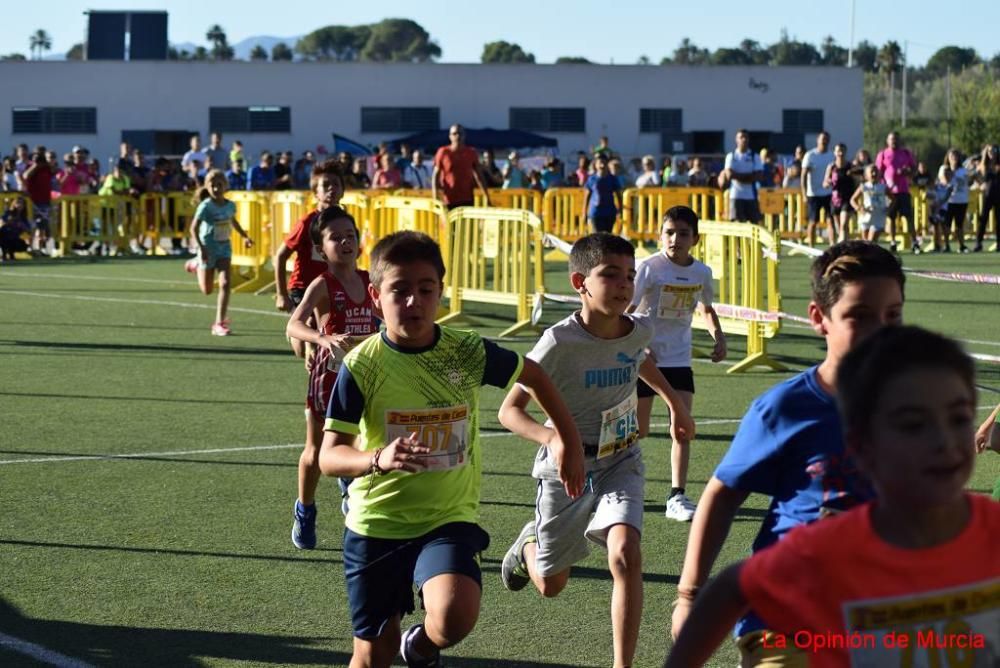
<point x="594" y="358"/>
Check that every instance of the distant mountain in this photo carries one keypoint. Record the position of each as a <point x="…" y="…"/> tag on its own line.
<point x="245" y="46"/>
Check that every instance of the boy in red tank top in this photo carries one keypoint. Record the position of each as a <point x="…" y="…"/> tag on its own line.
<point x="339" y="303"/>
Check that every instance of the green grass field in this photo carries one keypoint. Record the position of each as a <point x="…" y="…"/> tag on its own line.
<point x="148" y="471"/>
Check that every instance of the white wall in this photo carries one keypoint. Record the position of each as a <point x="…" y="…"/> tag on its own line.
<point x="327" y="97"/>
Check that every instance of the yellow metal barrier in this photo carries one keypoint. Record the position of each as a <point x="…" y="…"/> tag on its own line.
<point x="166" y="215"/>
<point x="744" y="259"/>
<point x="392" y="214"/>
<point x="359" y="204"/>
<point x="645" y="208"/>
<point x="496" y="258"/>
<point x="111" y="221"/>
<point x="403" y="192"/>
<point x="251" y="266"/>
<point x="513" y="198"/>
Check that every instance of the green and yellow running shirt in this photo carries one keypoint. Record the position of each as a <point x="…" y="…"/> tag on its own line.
<point x="384" y="392"/>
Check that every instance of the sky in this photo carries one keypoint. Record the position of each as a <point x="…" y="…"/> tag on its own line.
<point x="546" y="29"/>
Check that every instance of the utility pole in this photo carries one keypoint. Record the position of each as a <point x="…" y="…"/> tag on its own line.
<point x="850" y="47"/>
<point x="906" y="49"/>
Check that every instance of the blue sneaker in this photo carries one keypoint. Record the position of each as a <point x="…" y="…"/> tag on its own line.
<point x="304" y="528"/>
<point x="409" y="655"/>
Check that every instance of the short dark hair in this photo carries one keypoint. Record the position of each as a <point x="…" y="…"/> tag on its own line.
<point x="681" y="214"/>
<point x="325" y="219"/>
<point x="590" y="251"/>
<point x="402" y="248"/>
<point x="331" y="168"/>
<point x="848" y="262"/>
<point x="867" y="368"/>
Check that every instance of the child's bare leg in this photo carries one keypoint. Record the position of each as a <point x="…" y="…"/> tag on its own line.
<point x="380" y="652"/>
<point x="625" y="562"/>
<point x="845" y="218"/>
<point x="452" y="604"/>
<point x="680" y="451"/>
<point x="548" y="586"/>
<point x="644" y="411"/>
<point x="206" y="280"/>
<point x="224" y="290"/>
<point x="309" y="472"/>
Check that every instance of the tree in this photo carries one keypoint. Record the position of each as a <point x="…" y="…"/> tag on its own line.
<point x="833" y="54"/>
<point x="727" y="56"/>
<point x="75" y="52"/>
<point x="866" y="56"/>
<point x="220" y="45"/>
<point x="40" y="41"/>
<point x="505" y="52"/>
<point x="200" y="53"/>
<point x="755" y="53"/>
<point x="258" y="53"/>
<point x="644" y="60"/>
<point x="890" y="58"/>
<point x="281" y="52"/>
<point x="953" y="58"/>
<point x="13" y="56"/>
<point x="787" y="51"/>
<point x="687" y="53"/>
<point x="399" y="41"/>
<point x="572" y="60"/>
<point x="341" y="43"/>
<point x="976" y="109"/>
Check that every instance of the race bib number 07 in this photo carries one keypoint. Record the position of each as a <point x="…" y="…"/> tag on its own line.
<point x="443" y="430"/>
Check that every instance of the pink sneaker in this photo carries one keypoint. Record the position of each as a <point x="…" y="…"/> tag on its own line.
<point x="191" y="266"/>
<point x="220" y="329"/>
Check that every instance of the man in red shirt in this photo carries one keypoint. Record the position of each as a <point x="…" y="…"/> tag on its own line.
<point x="456" y="169"/>
<point x="38" y="184"/>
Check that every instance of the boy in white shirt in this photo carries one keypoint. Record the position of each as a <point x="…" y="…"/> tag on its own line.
<point x="670" y="286"/>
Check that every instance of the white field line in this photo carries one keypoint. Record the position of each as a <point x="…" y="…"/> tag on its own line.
<point x="39" y="653"/>
<point x="251" y="448"/>
<point x="115" y="279"/>
<point x="148" y="302"/>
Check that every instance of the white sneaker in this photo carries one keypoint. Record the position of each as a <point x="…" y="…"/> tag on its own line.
<point x="680" y="508"/>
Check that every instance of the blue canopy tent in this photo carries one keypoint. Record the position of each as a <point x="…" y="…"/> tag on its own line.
<point x="483" y="138"/>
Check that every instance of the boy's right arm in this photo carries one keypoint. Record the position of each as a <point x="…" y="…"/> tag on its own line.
<point x="316" y="297"/>
<point x="717" y="610"/>
<point x="857" y="199"/>
<point x="709" y="528"/>
<point x="988" y="436"/>
<point x="280" y="281"/>
<point x="564" y="445"/>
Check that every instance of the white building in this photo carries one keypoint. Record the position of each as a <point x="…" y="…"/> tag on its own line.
<point x="296" y="106"/>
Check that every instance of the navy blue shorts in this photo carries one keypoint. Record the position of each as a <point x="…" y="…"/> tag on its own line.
<point x="679" y="377"/>
<point x="817" y="204"/>
<point x="381" y="572"/>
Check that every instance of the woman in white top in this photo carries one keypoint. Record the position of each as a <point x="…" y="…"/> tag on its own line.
<point x="649" y="178"/>
<point x="955" y="176"/>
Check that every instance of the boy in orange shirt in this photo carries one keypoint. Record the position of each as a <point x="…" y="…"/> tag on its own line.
<point x="911" y="578"/>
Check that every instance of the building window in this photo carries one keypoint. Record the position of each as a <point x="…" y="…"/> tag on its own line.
<point x="400" y="119"/>
<point x="250" y="119"/>
<point x="801" y="121"/>
<point x="660" y="120"/>
<point x="548" y="119"/>
<point x="55" y="120"/>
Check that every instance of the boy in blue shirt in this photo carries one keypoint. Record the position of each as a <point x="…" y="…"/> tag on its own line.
<point x="790" y="444"/>
<point x="603" y="199"/>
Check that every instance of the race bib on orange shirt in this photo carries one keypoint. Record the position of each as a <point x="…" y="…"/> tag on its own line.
<point x="443" y="430"/>
<point x="952" y="628"/>
<point x="677" y="302"/>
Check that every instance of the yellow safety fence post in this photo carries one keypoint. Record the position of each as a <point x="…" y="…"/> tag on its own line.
<point x="744" y="260"/>
<point x="496" y="258"/>
<point x="87" y="219"/>
<point x="359" y="205"/>
<point x="393" y="214"/>
<point x="643" y="212"/>
<point x="251" y="266"/>
<point x="287" y="207"/>
<point x="563" y="217"/>
<point x="513" y="198"/>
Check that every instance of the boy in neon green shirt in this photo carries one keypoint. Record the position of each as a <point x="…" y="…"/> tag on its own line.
<point x="412" y="394"/>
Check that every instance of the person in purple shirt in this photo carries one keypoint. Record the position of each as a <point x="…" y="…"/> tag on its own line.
<point x="897" y="164"/>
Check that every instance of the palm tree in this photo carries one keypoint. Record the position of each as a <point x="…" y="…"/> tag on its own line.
<point x="40" y="41"/>
<point x="220" y="47"/>
<point x="890" y="57"/>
